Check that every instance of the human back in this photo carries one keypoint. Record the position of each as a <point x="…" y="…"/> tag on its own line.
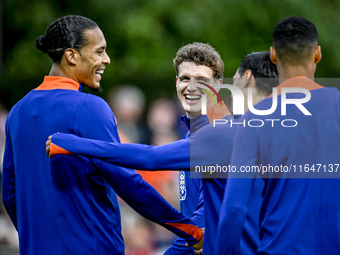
<point x="300" y="206"/>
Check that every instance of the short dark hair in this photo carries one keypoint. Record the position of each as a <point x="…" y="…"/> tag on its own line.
<point x="294" y="39"/>
<point x="201" y="54"/>
<point x="264" y="71"/>
<point x="65" y="32"/>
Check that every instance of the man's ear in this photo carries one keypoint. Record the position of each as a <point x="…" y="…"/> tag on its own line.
<point x="273" y="57"/>
<point x="219" y="81"/>
<point x="317" y="54"/>
<point x="71" y="56"/>
<point x="247" y="76"/>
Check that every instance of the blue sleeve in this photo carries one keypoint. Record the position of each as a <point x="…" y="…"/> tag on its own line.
<point x="145" y="200"/>
<point x="95" y="120"/>
<point x="174" y="156"/>
<point x="178" y="246"/>
<point x="198" y="215"/>
<point x="211" y="146"/>
<point x="237" y="193"/>
<point x="8" y="185"/>
<point x="233" y="215"/>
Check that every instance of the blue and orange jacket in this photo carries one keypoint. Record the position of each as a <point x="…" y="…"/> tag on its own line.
<point x="208" y="145"/>
<point x="68" y="205"/>
<point x="300" y="209"/>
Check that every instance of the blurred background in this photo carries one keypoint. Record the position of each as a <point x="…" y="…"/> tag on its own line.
<point x="143" y="37"/>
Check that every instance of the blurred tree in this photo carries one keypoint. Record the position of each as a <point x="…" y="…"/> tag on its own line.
<point x="144" y="35"/>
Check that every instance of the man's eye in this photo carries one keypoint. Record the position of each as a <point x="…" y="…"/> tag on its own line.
<point x="184" y="79"/>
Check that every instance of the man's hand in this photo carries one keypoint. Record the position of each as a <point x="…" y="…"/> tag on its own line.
<point x="48" y="143"/>
<point x="198" y="246"/>
<point x="199" y="252"/>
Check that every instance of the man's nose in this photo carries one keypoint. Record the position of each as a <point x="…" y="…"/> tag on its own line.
<point x="192" y="84"/>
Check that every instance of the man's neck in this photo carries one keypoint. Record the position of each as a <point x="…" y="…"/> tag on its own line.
<point x="192" y="115"/>
<point x="294" y="71"/>
<point x="56" y="70"/>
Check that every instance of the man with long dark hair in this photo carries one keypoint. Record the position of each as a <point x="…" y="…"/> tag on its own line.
<point x="69" y="205"/>
<point x="208" y="145"/>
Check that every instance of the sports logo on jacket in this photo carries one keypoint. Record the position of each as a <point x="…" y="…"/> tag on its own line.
<point x="182" y="186"/>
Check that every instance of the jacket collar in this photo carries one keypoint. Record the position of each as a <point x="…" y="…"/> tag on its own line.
<point x="298" y="82"/>
<point x="59" y="82"/>
<point x="195" y="123"/>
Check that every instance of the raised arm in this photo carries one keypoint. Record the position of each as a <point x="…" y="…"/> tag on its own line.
<point x="199" y="149"/>
<point x="129" y="185"/>
<point x="174" y="156"/>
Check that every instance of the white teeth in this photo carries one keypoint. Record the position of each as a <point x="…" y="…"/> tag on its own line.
<point x="192" y="97"/>
<point x="100" y="71"/>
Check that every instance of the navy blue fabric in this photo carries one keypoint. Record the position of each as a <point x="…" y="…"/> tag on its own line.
<point x="190" y="191"/>
<point x="212" y="145"/>
<point x="170" y="156"/>
<point x="298" y="215"/>
<point x="68" y="205"/>
<point x="207" y="146"/>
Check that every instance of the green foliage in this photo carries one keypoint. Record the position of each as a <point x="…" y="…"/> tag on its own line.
<point x="144" y="35"/>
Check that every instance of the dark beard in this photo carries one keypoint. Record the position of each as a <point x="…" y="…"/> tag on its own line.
<point x="97" y="90"/>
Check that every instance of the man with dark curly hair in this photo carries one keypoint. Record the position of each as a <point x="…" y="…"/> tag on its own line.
<point x="199" y="68"/>
<point x="195" y="64"/>
<point x="210" y="145"/>
<point x="200" y="62"/>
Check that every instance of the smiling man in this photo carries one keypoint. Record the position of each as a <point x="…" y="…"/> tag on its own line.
<point x="210" y="145"/>
<point x="194" y="63"/>
<point x="189" y="92"/>
<point x="69" y="205"/>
